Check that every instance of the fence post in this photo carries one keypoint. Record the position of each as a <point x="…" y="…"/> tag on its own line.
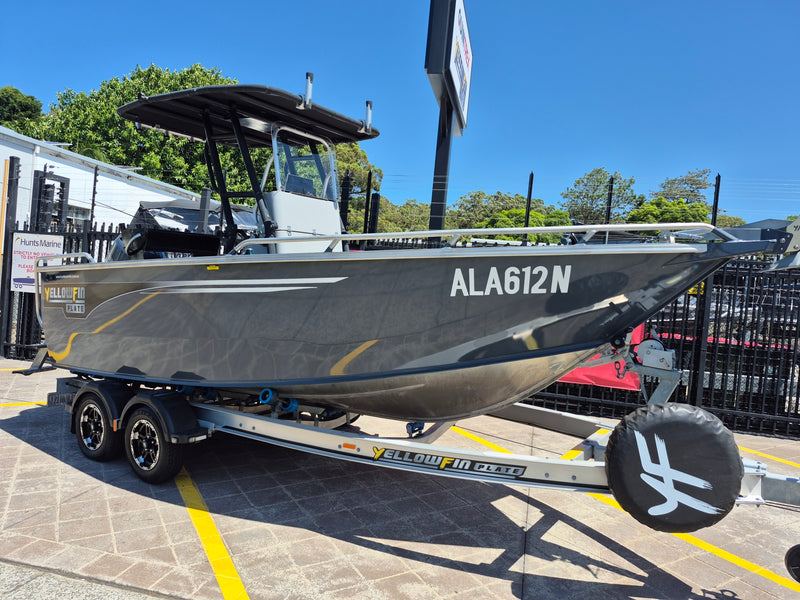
<point x="528" y="208"/>
<point x="205" y="202"/>
<point x="705" y="291"/>
<point x="344" y="203"/>
<point x="715" y="207"/>
<point x="10" y="218"/>
<point x="703" y="316"/>
<point x="367" y="196"/>
<point x="374" y="211"/>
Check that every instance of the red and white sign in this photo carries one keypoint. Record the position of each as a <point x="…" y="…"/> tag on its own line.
<point x="27" y="248"/>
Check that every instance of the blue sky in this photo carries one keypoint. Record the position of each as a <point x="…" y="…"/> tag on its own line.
<point x="649" y="89"/>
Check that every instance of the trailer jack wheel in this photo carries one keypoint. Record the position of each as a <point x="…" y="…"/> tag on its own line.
<point x="674" y="467"/>
<point x="152" y="457"/>
<point x="96" y="439"/>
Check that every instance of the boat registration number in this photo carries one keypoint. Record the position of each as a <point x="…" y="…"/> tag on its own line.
<point x="511" y="280"/>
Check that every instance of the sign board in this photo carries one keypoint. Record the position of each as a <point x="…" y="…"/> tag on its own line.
<point x="460" y="64"/>
<point x="27" y="248"/>
<point x="448" y="57"/>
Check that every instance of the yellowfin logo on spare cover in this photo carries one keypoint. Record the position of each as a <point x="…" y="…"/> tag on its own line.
<point x="73" y="298"/>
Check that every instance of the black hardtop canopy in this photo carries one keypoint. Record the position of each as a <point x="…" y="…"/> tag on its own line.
<point x="184" y="112"/>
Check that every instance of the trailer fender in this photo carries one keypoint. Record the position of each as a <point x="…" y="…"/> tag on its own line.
<point x="177" y="419"/>
<point x="114" y="396"/>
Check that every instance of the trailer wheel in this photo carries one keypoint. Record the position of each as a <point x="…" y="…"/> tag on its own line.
<point x="674" y="467"/>
<point x="792" y="561"/>
<point x="153" y="458"/>
<point x="93" y="430"/>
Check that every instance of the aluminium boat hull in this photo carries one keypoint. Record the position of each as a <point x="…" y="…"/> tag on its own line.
<point x="409" y="334"/>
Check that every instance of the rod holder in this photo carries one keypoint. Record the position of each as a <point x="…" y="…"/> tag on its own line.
<point x="307" y="97"/>
<point x="368" y="121"/>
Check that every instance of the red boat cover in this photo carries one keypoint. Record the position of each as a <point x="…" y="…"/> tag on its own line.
<point x="606" y="375"/>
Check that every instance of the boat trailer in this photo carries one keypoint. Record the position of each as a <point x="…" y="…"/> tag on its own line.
<point x="674" y="467"/>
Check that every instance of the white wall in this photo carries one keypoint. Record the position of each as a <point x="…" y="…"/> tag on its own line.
<point x="119" y="191"/>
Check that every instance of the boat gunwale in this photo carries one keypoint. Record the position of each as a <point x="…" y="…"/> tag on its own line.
<point x="398" y="254"/>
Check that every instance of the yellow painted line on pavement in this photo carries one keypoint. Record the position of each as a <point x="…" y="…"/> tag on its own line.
<point x="230" y="584"/>
<point x="716" y="551"/>
<point x="770" y="457"/>
<point x="4" y="404"/>
<point x="710" y="548"/>
<point x="480" y="440"/>
<point x="740" y="562"/>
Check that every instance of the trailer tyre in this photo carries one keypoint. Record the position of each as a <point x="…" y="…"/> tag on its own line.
<point x="93" y="430"/>
<point x="153" y="458"/>
<point x="674" y="467"/>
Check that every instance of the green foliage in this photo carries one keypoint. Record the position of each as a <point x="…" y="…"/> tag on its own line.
<point x="557" y="218"/>
<point x="724" y="221"/>
<point x="515" y="217"/>
<point x="350" y="158"/>
<point x="688" y="187"/>
<point x="475" y="207"/>
<point x="410" y="216"/>
<point x="662" y="210"/>
<point x="586" y="200"/>
<point x="17" y="107"/>
<point x="89" y="122"/>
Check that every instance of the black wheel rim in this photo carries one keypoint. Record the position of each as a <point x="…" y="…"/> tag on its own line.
<point x="91" y="426"/>
<point x="144" y="445"/>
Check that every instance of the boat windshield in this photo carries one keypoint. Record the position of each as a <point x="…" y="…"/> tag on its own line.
<point x="305" y="169"/>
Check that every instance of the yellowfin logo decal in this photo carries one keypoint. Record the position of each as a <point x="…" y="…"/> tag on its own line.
<point x="72" y="298"/>
<point x="436" y="462"/>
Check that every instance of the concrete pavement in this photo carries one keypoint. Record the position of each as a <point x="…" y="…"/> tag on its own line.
<point x="284" y="524"/>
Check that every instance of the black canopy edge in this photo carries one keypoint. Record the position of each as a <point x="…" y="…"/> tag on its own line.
<point x="182" y="112"/>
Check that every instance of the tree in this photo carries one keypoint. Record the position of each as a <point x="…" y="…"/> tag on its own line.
<point x="586" y="200"/>
<point x="515" y="217"/>
<point x="475" y="207"/>
<point x="352" y="159"/>
<point x="89" y="122"/>
<point x="688" y="187"/>
<point x="16" y="106"/>
<point x="662" y="210"/>
<point x="725" y="221"/>
<point x="409" y="216"/>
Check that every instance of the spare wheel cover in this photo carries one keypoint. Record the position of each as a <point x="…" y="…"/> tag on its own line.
<point x="674" y="467"/>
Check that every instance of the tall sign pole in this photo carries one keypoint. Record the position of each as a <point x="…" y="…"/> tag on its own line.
<point x="448" y="63"/>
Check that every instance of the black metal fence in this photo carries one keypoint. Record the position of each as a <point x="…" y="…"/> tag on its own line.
<point x="21" y="327"/>
<point x="736" y="343"/>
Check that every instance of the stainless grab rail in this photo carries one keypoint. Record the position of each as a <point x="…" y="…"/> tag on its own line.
<point x="41" y="261"/>
<point x="589" y="231"/>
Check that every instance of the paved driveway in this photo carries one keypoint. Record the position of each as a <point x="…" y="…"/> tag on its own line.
<point x="246" y="519"/>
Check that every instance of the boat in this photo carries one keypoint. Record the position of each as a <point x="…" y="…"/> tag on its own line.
<point x="303" y="311"/>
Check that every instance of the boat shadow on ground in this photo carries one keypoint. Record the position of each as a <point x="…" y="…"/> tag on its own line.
<point x="489" y="531"/>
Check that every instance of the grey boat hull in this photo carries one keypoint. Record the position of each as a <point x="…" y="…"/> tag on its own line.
<point x="419" y="335"/>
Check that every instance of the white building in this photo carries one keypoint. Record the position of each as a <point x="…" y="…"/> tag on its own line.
<point x="117" y="194"/>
